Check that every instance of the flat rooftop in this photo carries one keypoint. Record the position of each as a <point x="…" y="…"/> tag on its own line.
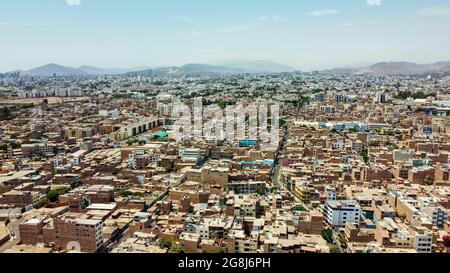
<point x="11" y="176"/>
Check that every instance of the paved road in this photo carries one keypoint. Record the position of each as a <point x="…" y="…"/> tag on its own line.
<point x="13" y="228"/>
<point x="338" y="243"/>
<point x="276" y="181"/>
<point x="276" y="173"/>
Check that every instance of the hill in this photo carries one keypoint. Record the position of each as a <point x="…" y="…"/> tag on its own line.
<point x="395" y="68"/>
<point x="54" y="69"/>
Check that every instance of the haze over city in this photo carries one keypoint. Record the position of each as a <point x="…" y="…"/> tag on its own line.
<point x="305" y="35"/>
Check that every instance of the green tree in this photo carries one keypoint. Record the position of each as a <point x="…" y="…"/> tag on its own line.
<point x="365" y="155"/>
<point x="429" y="180"/>
<point x="131" y="141"/>
<point x="327" y="234"/>
<point x="418" y="95"/>
<point x="335" y="250"/>
<point x="302" y="101"/>
<point x="260" y="191"/>
<point x="165" y="244"/>
<point x="222" y="104"/>
<point x="170" y="169"/>
<point x="54" y="194"/>
<point x="177" y="248"/>
<point x="5" y="114"/>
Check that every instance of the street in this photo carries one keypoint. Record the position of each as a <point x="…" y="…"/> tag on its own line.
<point x="13" y="228"/>
<point x="275" y="176"/>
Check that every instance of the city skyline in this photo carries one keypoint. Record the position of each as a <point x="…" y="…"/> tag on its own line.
<point x="306" y="35"/>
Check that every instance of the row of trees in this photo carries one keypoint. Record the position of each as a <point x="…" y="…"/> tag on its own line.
<point x="53" y="195"/>
<point x="132" y="141"/>
<point x="172" y="246"/>
<point x="327" y="234"/>
<point x="403" y="95"/>
<point x="129" y="193"/>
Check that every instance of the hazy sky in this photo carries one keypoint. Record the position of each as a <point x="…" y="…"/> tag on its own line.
<point x="306" y="34"/>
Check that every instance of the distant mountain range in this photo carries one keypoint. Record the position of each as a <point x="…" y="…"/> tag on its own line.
<point x="259" y="66"/>
<point x="230" y="68"/>
<point x="108" y="71"/>
<point x="59" y="70"/>
<point x="396" y="68"/>
<point x="237" y="67"/>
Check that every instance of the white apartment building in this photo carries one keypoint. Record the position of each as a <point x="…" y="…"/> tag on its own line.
<point x="189" y="153"/>
<point x="246" y="206"/>
<point x="97" y="225"/>
<point x="423" y="240"/>
<point x="75" y="158"/>
<point x="338" y="213"/>
<point x="338" y="144"/>
<point x="138" y="126"/>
